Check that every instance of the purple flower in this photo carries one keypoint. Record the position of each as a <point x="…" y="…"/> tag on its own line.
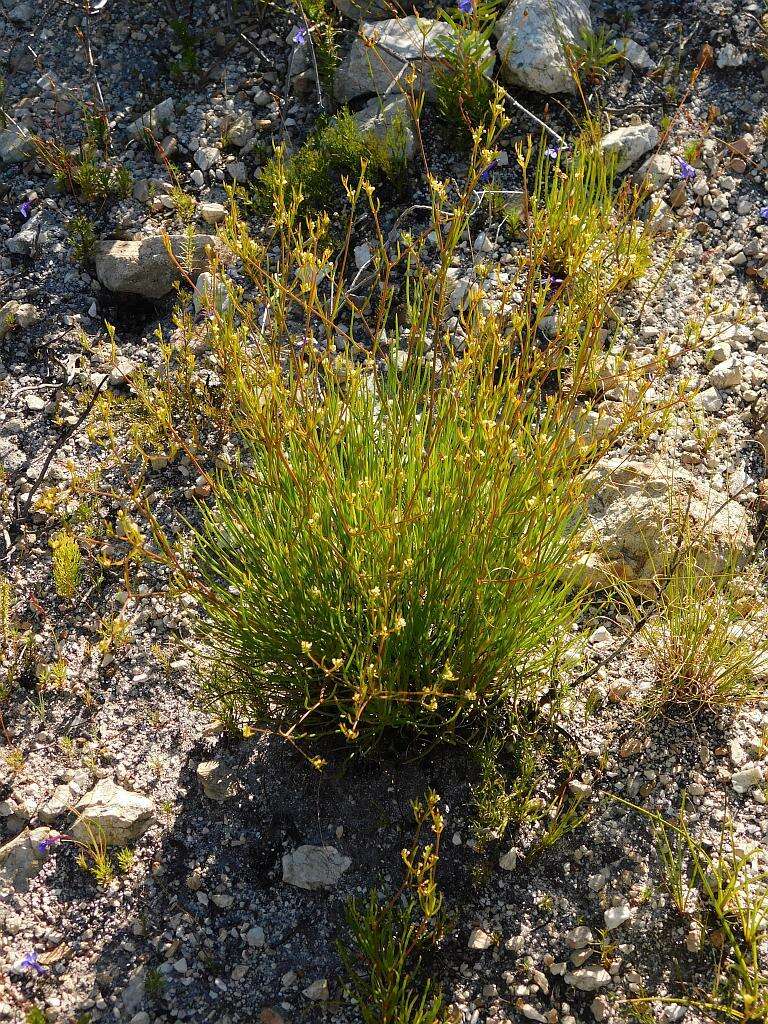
<point x="553" y="283"/>
<point x="554" y="150"/>
<point x="301" y="37"/>
<point x="30" y="963"/>
<point x="687" y="173"/>
<point x="25" y="208"/>
<point x="48" y="842"/>
<point x="485" y="175"/>
<point x="763" y="211"/>
<point x="466" y="6"/>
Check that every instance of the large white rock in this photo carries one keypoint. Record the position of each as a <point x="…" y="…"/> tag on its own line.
<point x="21" y="859"/>
<point x="629" y="144"/>
<point x="117" y="814"/>
<point x="385" y="52"/>
<point x="532" y="36"/>
<point x="314" y="867"/>
<point x="145" y="268"/>
<point x="637" y="511"/>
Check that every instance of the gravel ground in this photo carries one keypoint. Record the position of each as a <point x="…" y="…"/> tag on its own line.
<point x="201" y="925"/>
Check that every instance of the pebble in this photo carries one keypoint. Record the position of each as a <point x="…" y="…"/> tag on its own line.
<point x="508" y="860"/>
<point x="709" y="400"/>
<point x="317" y="991"/>
<point x="531" y="1013"/>
<point x="579" y="937"/>
<point x="742" y="781"/>
<point x="479" y="939"/>
<point x="213" y="213"/>
<point x="616" y="916"/>
<point x="726" y="375"/>
<point x="588" y="979"/>
<point x="206" y="157"/>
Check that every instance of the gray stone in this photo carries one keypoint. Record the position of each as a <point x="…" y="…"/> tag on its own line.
<point x="206" y="157"/>
<point x="709" y="400"/>
<point x="16" y="146"/>
<point x="532" y="39"/>
<point x="317" y="991"/>
<point x="661" y="219"/>
<point x="240" y="132"/>
<point x="508" y="860"/>
<point x="237" y="171"/>
<point x="616" y="916"/>
<point x="600" y="1008"/>
<point x="21" y="859"/>
<point x="209" y="290"/>
<point x="133" y="993"/>
<point x="26" y="241"/>
<point x="657" y="170"/>
<point x="629" y="144"/>
<point x="22" y="13"/>
<point x="588" y="979"/>
<point x="530" y="1012"/>
<point x="579" y="937"/>
<point x="314" y="867"/>
<point x="634" y="54"/>
<point x="155" y="121"/>
<point x="213" y="213"/>
<point x="145" y="268"/>
<point x="390" y="119"/>
<point x="729" y="56"/>
<point x="720" y="352"/>
<point x="17" y="314"/>
<point x="727" y="374"/>
<point x="744" y="780"/>
<point x="479" y="939"/>
<point x="117" y="814"/>
<point x="218" y="783"/>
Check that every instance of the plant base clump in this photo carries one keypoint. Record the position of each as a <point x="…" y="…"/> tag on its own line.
<point x="394" y="554"/>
